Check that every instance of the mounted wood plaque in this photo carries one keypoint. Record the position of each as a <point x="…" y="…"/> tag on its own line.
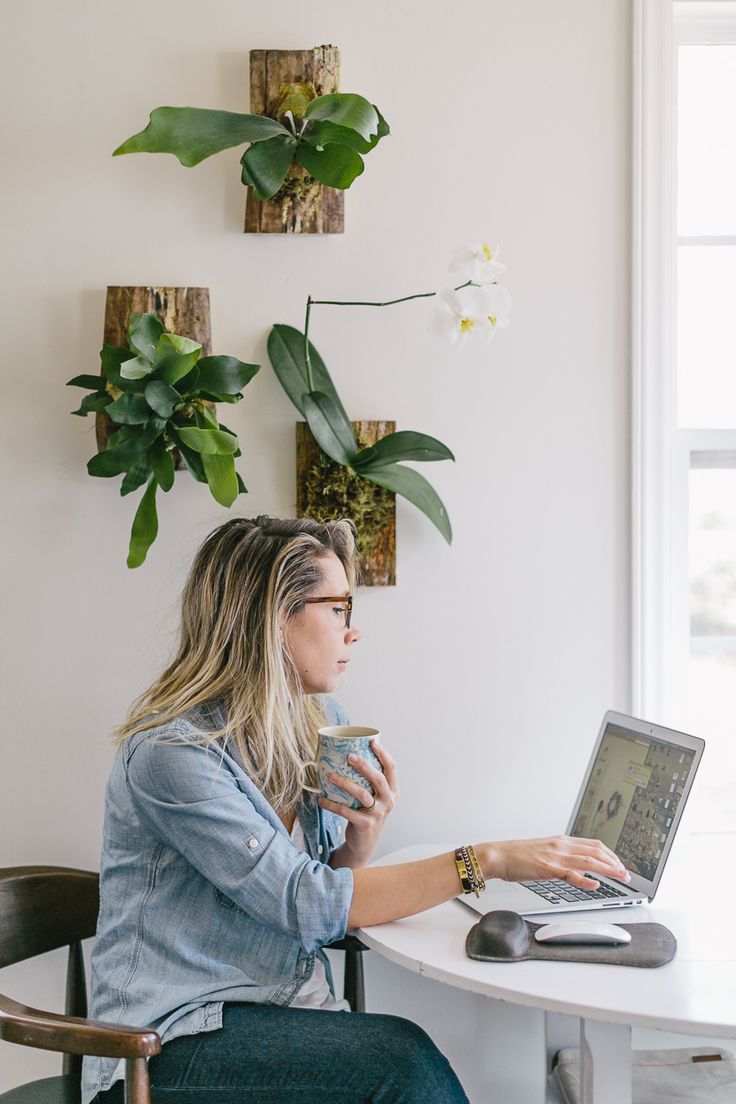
<point x="182" y="310"/>
<point x="303" y="205"/>
<point x="326" y="491"/>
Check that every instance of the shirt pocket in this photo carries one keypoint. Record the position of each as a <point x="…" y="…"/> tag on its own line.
<point x="226" y="902"/>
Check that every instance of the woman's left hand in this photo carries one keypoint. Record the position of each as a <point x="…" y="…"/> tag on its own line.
<point x="366" y="823"/>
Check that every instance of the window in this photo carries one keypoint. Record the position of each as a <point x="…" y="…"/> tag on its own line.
<point x="684" y="311"/>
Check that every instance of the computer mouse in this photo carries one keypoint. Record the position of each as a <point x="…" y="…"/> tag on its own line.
<point x="567" y="932"/>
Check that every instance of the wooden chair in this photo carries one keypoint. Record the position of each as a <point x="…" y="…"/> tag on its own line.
<point x="45" y="907"/>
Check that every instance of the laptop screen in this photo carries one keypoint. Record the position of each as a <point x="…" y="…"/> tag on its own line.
<point x="632" y="797"/>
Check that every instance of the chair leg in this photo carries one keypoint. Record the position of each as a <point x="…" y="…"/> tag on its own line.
<point x="354" y="982"/>
<point x="137" y="1085"/>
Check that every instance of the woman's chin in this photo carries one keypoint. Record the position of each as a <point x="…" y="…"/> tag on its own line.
<point x="324" y="686"/>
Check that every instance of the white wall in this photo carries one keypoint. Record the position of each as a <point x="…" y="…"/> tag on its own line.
<point x="489" y="665"/>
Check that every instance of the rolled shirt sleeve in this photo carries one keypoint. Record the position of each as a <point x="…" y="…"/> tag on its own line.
<point x="189" y="797"/>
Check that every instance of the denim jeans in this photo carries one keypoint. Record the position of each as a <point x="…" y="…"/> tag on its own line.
<point x="264" y="1054"/>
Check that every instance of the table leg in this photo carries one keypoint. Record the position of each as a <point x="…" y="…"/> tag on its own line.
<point x="605" y="1063"/>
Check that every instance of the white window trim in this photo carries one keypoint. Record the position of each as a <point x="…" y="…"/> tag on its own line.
<point x="652" y="325"/>
<point x="660" y="451"/>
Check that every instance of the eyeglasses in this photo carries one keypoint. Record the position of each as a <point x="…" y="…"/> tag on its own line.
<point x="343" y="602"/>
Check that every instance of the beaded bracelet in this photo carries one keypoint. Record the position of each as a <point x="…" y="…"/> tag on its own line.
<point x="469" y="871"/>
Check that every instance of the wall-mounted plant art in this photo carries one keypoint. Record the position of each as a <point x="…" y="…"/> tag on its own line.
<point x="306" y="140"/>
<point x="470" y="311"/>
<point x="158" y="394"/>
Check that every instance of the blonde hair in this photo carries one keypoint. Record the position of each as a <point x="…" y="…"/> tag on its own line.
<point x="247" y="579"/>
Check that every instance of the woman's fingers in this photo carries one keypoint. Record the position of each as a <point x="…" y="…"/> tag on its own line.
<point x="574" y="877"/>
<point x="597" y="846"/>
<point x="559" y="857"/>
<point x="580" y="865"/>
<point x="377" y="779"/>
<point x="353" y="789"/>
<point x="352" y="815"/>
<point x="594" y="855"/>
<point x="388" y="764"/>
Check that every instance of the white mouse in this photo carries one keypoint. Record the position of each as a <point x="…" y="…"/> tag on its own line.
<point x="566" y="932"/>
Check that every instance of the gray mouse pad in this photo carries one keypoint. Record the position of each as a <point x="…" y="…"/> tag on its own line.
<point x="503" y="936"/>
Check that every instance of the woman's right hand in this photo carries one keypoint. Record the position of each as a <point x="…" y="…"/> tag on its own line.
<point x="566" y="857"/>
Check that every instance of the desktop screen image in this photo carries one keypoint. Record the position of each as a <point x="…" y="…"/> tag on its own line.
<point x="632" y="797"/>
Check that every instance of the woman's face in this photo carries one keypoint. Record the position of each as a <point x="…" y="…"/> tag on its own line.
<point x="316" y="636"/>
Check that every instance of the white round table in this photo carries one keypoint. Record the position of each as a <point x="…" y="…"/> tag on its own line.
<point x="694" y="994"/>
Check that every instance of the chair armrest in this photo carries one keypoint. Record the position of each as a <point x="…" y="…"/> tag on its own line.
<point x="72" y="1034"/>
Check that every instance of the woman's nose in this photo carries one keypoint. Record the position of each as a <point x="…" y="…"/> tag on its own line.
<point x="353" y="635"/>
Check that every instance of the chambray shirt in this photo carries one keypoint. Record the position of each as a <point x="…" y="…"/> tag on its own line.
<point x="203" y="896"/>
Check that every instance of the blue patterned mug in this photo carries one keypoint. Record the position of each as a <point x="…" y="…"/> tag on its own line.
<point x="335" y="744"/>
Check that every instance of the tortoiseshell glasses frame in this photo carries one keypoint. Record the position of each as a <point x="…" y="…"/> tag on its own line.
<point x="345" y="600"/>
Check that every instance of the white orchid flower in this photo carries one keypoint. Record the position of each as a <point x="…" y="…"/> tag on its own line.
<point x="478" y="263"/>
<point x="470" y="312"/>
<point x="497" y="303"/>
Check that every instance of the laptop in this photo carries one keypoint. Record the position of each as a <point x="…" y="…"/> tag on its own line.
<point x="632" y="798"/>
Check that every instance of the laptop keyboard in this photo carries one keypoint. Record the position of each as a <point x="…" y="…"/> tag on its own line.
<point x="555" y="891"/>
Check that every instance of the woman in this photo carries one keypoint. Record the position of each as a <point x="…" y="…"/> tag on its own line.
<point x="224" y="873"/>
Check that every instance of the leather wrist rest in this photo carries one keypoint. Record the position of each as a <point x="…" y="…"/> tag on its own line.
<point x="504" y="936"/>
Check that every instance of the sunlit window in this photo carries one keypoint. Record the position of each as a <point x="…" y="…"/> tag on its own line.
<point x="702" y="680"/>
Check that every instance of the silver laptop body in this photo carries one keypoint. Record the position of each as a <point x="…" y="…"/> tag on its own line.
<point x="632" y="798"/>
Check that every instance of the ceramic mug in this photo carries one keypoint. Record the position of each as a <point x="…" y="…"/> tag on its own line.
<point x="336" y="743"/>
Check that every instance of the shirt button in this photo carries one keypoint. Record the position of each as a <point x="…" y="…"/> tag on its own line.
<point x="320" y="849"/>
<point x="252" y="843"/>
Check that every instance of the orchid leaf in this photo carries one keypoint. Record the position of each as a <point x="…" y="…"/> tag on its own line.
<point x="404" y="445"/>
<point x="413" y="486"/>
<point x="224" y="375"/>
<point x="322" y="132"/>
<point x="144" y="332"/>
<point x="120" y="436"/>
<point x="212" y="442"/>
<point x="206" y="418"/>
<point x="218" y="397"/>
<point x="136" y="475"/>
<point x="152" y="430"/>
<point x="129" y="410"/>
<point x="194" y="133"/>
<point x="145" y="526"/>
<point x="191" y="458"/>
<point x="90" y="383"/>
<point x="221" y="477"/>
<point x="286" y="353"/>
<point x="112" y="358"/>
<point x="162" y="463"/>
<point x="93" y="404"/>
<point x="267" y="163"/>
<point x="330" y="427"/>
<point x="189" y="384"/>
<point x="175" y="357"/>
<point x="136" y="368"/>
<point x="336" y="166"/>
<point x="114" y="461"/>
<point x="346" y="109"/>
<point x="161" y="397"/>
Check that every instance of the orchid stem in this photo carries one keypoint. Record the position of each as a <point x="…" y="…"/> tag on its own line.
<point x="385" y="302"/>
<point x="357" y="303"/>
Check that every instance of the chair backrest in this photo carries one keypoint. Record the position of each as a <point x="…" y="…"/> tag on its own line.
<point x="45" y="907"/>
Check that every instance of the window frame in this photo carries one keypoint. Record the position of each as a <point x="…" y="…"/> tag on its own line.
<point x="661" y="450"/>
